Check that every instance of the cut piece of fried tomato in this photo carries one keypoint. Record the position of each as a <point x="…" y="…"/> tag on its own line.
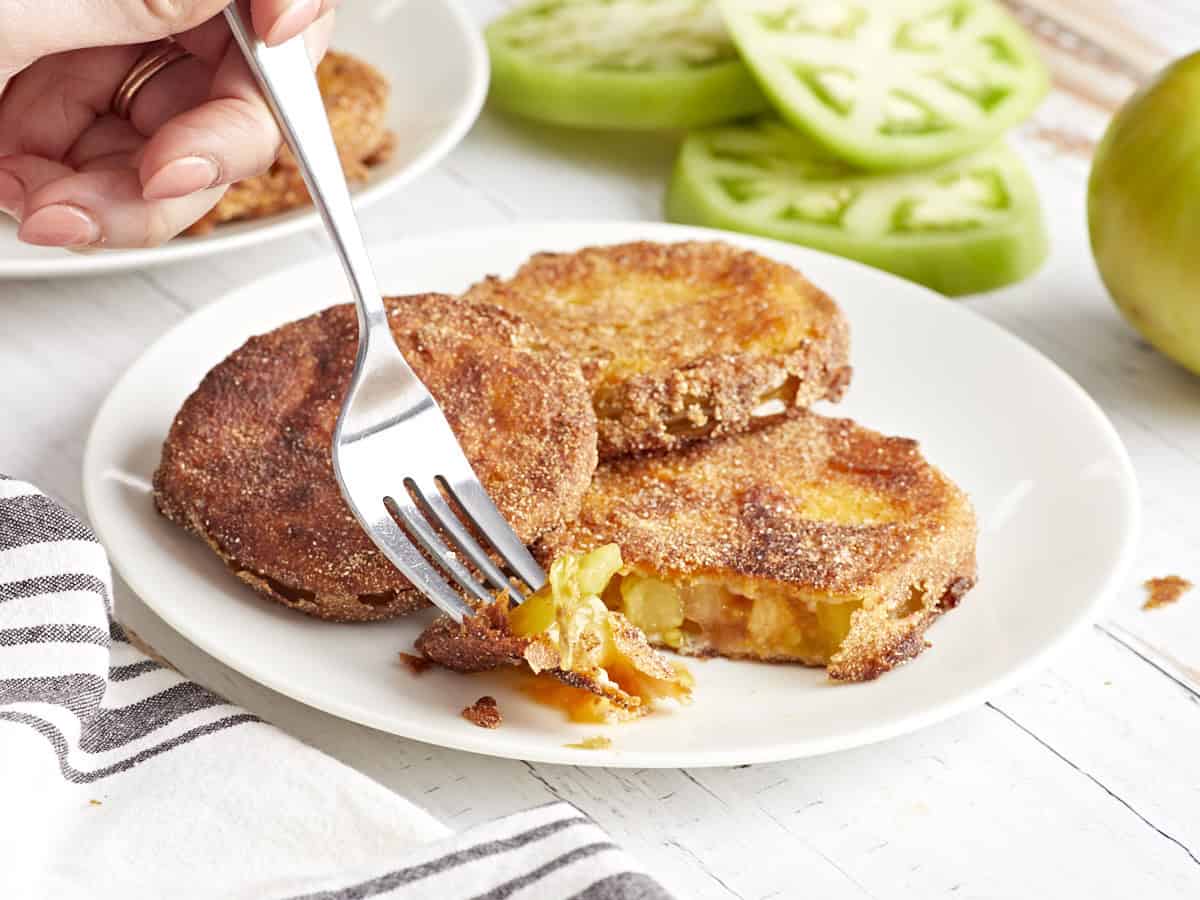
<point x="609" y="671"/>
<point x="813" y="541"/>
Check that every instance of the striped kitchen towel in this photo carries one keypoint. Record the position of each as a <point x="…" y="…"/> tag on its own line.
<point x="119" y="778"/>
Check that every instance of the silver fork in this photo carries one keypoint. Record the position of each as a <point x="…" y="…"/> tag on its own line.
<point x="394" y="455"/>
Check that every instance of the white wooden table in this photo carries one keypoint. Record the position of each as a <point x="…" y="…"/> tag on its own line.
<point x="1083" y="782"/>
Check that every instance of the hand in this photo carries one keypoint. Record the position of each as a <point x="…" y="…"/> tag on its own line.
<point x="76" y="175"/>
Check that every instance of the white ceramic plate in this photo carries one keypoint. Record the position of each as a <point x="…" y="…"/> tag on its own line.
<point x="1052" y="484"/>
<point x="435" y="60"/>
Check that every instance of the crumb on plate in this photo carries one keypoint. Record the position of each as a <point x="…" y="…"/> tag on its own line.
<point x="415" y="664"/>
<point x="595" y="742"/>
<point x="484" y="712"/>
<point x="1165" y="591"/>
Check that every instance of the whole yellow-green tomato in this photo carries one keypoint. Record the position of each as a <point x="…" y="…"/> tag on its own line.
<point x="1144" y="211"/>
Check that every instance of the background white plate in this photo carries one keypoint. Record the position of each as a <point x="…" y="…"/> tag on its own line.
<point x="1051" y="482"/>
<point x="434" y="58"/>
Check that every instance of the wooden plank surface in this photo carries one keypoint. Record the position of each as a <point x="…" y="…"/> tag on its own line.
<point x="1084" y="781"/>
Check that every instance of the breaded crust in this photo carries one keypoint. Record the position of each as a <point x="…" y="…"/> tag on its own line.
<point x="480" y="643"/>
<point x="484" y="642"/>
<point x="247" y="462"/>
<point x="356" y="97"/>
<point x="682" y="341"/>
<point x="812" y="504"/>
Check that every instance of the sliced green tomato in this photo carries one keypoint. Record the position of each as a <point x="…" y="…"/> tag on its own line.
<point x="891" y="84"/>
<point x="969" y="225"/>
<point x="624" y="64"/>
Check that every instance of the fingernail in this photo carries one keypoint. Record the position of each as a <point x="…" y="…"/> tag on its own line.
<point x="59" y="225"/>
<point x="292" y="21"/>
<point x="181" y="177"/>
<point x="12" y="195"/>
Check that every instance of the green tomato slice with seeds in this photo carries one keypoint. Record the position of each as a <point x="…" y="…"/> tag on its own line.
<point x="891" y="84"/>
<point x="621" y="64"/>
<point x="969" y="225"/>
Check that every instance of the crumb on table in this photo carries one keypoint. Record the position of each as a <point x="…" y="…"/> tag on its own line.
<point x="415" y="664"/>
<point x="1165" y="591"/>
<point x="94" y="803"/>
<point x="484" y="712"/>
<point x="595" y="742"/>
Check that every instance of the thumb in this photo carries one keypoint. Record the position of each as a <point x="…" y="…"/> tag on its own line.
<point x="29" y="31"/>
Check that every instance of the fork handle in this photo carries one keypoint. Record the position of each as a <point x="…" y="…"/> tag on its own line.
<point x="286" y="77"/>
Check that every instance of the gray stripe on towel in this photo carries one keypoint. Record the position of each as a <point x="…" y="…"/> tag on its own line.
<point x="624" y="886"/>
<point x="132" y="670"/>
<point x="54" y="634"/>
<point x="392" y="880"/>
<point x="80" y="692"/>
<point x="510" y="887"/>
<point x="53" y="584"/>
<point x="36" y="519"/>
<point x="113" y="728"/>
<point x="78" y="776"/>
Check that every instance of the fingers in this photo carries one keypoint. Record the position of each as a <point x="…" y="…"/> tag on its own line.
<point x="188" y="83"/>
<point x="230" y="137"/>
<point x="114" y="188"/>
<point x="181" y="86"/>
<point x="21" y="176"/>
<point x="110" y="135"/>
<point x="276" y="21"/>
<point x="49" y="105"/>
<point x="12" y="196"/>
<point x="101" y="206"/>
<point x="105" y="208"/>
<point x="60" y="25"/>
<point x="316" y="39"/>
